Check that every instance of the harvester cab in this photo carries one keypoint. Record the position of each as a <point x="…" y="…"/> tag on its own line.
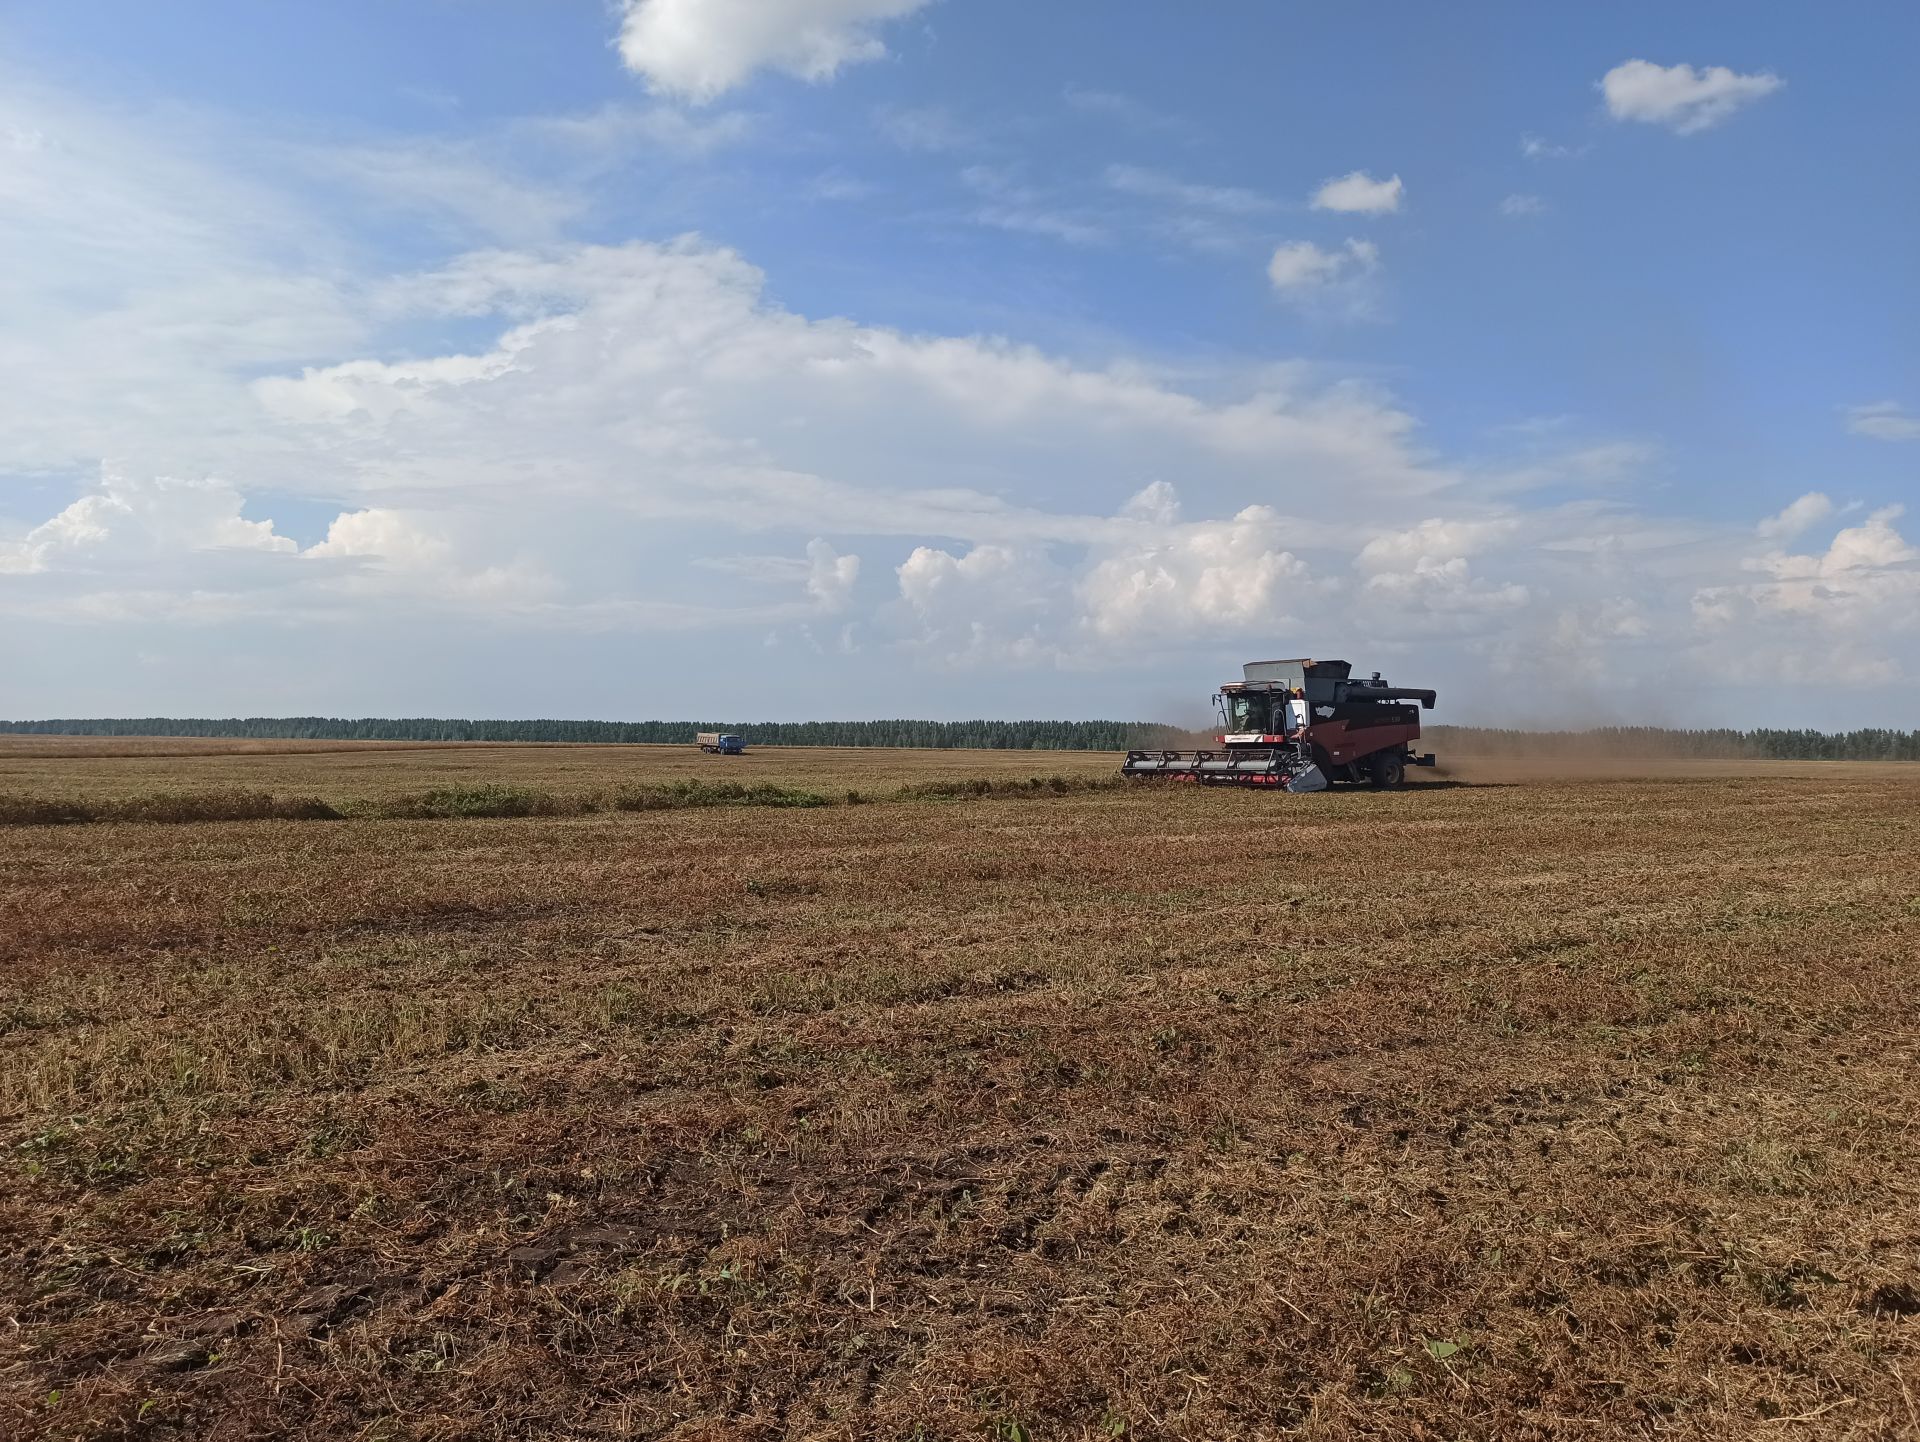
<point x="1301" y="725"/>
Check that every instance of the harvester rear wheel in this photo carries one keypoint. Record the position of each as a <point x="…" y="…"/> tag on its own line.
<point x="1389" y="770"/>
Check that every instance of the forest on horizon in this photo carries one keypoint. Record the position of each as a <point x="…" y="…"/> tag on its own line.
<point x="1869" y="744"/>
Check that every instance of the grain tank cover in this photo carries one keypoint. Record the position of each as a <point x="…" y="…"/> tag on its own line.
<point x="1321" y="680"/>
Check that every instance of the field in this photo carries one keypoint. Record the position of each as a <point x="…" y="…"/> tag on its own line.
<point x="1534" y="1102"/>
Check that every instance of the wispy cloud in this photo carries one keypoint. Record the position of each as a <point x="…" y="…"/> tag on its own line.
<point x="927" y="129"/>
<point x="1523" y="205"/>
<point x="1156" y="185"/>
<point x="1135" y="114"/>
<point x="448" y="180"/>
<point x="619" y="127"/>
<point x="1536" y="148"/>
<point x="1883" y="421"/>
<point x="837" y="184"/>
<point x="1020" y="208"/>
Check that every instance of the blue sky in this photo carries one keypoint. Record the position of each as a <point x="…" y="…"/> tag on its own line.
<point x="803" y="358"/>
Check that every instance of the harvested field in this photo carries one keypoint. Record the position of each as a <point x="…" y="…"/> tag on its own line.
<point x="1563" y="1109"/>
<point x="346" y="770"/>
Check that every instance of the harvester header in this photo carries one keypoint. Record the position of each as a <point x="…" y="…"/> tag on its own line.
<point x="1301" y="725"/>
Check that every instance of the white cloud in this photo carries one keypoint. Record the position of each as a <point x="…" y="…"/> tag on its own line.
<point x="1428" y="567"/>
<point x="1153" y="185"/>
<point x="930" y="577"/>
<point x="1872" y="546"/>
<point x="988" y="606"/>
<point x="1523" y="205"/>
<point x="1433" y="540"/>
<point x="1812" y="507"/>
<point x="550" y="435"/>
<point x="1535" y="148"/>
<point x="1020" y="208"/>
<point x="389" y="536"/>
<point x="128" y="520"/>
<point x="1679" y="97"/>
<point x="703" y="48"/>
<point x="1158" y="502"/>
<point x="1883" y="421"/>
<point x="448" y="180"/>
<point x="1439" y="587"/>
<point x="401" y="555"/>
<point x="830" y="575"/>
<point x="1358" y="193"/>
<point x="1052" y="224"/>
<point x="1838" y="614"/>
<point x="1186" y="576"/>
<point x="1302" y="265"/>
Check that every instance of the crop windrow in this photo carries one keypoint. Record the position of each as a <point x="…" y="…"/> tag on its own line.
<point x="461" y="803"/>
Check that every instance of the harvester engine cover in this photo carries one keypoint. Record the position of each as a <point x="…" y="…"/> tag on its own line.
<point x="1301" y="725"/>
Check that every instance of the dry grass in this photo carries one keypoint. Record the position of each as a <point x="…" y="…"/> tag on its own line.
<point x="1570" y="1110"/>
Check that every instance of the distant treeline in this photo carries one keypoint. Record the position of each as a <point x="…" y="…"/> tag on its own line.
<point x="1872" y="744"/>
<point x="1867" y="745"/>
<point x="939" y="735"/>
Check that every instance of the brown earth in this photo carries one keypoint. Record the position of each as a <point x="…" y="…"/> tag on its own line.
<point x="1570" y="1109"/>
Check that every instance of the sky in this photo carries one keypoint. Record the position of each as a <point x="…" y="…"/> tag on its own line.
<point x="826" y="359"/>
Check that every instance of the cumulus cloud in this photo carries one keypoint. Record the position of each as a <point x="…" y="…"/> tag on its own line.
<point x="990" y="604"/>
<point x="377" y="533"/>
<point x="1300" y="265"/>
<point x="1883" y="421"/>
<point x="1187" y="576"/>
<point x="1812" y="507"/>
<point x="1358" y="193"/>
<point x="931" y="580"/>
<point x="1841" y="612"/>
<point x="661" y="378"/>
<point x="1679" y="97"/>
<point x="397" y="554"/>
<point x="1874" y="545"/>
<point x="1433" y="540"/>
<point x="1428" y="566"/>
<point x="702" y="48"/>
<point x="552" y="435"/>
<point x="129" y="518"/>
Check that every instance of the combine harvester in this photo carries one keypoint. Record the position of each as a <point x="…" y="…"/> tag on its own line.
<point x="1301" y="725"/>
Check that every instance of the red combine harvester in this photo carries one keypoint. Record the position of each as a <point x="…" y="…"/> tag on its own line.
<point x="1301" y="725"/>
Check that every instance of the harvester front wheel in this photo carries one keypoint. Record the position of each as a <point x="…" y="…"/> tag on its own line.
<point x="1389" y="771"/>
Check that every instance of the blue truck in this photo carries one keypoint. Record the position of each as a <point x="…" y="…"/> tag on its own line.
<point x="721" y="743"/>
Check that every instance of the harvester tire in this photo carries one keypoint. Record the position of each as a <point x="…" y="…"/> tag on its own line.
<point x="1389" y="771"/>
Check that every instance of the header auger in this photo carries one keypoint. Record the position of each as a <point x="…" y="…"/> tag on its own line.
<point x="1301" y="725"/>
